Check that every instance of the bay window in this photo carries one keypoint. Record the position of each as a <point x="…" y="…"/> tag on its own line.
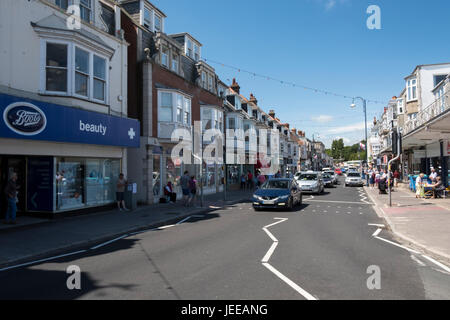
<point x="81" y="72"/>
<point x="411" y="86"/>
<point x="204" y="79"/>
<point x="56" y="67"/>
<point x="99" y="78"/>
<point x="179" y="108"/>
<point x="71" y="70"/>
<point x="187" y="111"/>
<point x="174" y="107"/>
<point x="165" y="108"/>
<point x="189" y="48"/>
<point x="196" y="52"/>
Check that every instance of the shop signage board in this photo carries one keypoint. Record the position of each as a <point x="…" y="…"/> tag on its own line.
<point x="29" y="119"/>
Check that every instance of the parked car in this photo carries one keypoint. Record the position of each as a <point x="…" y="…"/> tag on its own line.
<point x="277" y="194"/>
<point x="310" y="182"/>
<point x="354" y="179"/>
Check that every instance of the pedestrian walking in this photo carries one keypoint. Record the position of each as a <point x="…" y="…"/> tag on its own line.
<point x="120" y="192"/>
<point x="184" y="181"/>
<point x="11" y="196"/>
<point x="243" y="181"/>
<point x="192" y="191"/>
<point x="396" y="178"/>
<point x="420" y="190"/>
<point x="249" y="180"/>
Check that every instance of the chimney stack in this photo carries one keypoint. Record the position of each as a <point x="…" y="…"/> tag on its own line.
<point x="272" y="113"/>
<point x="235" y="86"/>
<point x="253" y="99"/>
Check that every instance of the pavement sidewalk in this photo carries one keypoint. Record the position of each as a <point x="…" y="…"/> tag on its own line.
<point x="43" y="238"/>
<point x="422" y="223"/>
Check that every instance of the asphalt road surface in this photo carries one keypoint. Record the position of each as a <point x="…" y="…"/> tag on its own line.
<point x="325" y="249"/>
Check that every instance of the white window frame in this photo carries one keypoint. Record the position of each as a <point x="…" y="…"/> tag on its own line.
<point x="89" y="75"/>
<point x="166" y="56"/>
<point x="150" y="22"/>
<point x="409" y="89"/>
<point x="90" y="8"/>
<point x="196" y="52"/>
<point x="175" y="66"/>
<point x="158" y="17"/>
<point x="204" y="84"/>
<point x="400" y="106"/>
<point x="210" y="83"/>
<point x="189" y="48"/>
<point x="186" y="107"/>
<point x="70" y="92"/>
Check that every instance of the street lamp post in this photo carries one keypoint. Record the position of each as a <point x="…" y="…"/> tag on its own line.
<point x="353" y="105"/>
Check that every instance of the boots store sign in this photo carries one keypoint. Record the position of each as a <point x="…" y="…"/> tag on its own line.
<point x="35" y="120"/>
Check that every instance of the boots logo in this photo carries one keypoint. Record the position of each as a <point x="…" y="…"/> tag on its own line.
<point x="25" y="119"/>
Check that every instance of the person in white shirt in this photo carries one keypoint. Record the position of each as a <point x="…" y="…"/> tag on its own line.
<point x="419" y="185"/>
<point x="433" y="175"/>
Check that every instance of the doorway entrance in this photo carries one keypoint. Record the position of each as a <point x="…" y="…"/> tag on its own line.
<point x="9" y="165"/>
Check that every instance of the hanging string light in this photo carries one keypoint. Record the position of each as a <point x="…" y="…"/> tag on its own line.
<point x="254" y="74"/>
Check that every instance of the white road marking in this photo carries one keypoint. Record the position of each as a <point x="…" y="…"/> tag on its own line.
<point x="292" y="284"/>
<point x="377" y="225"/>
<point x="265" y="261"/>
<point x="42" y="260"/>
<point x="166" y="227"/>
<point x="420" y="263"/>
<point x="270" y="252"/>
<point x="110" y="241"/>
<point x="397" y="245"/>
<point x="376" y="233"/>
<point x="444" y="267"/>
<point x="184" y="220"/>
<point x="341" y="202"/>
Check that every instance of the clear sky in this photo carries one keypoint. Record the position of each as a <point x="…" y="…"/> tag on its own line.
<point x="323" y="44"/>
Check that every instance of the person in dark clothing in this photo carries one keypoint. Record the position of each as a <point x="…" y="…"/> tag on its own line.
<point x="11" y="196"/>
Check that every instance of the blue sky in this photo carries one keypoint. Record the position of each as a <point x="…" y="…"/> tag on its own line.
<point x="323" y="44"/>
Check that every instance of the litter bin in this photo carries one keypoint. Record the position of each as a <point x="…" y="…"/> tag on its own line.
<point x="130" y="196"/>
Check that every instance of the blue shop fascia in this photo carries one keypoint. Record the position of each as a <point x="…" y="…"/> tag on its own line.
<point x="66" y="158"/>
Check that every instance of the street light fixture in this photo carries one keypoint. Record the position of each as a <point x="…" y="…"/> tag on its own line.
<point x="353" y="105"/>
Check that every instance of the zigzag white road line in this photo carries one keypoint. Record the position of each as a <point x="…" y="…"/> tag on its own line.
<point x="265" y="262"/>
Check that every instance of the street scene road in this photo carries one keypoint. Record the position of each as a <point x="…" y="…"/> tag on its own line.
<point x="334" y="246"/>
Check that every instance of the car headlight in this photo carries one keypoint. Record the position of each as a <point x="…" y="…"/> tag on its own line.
<point x="257" y="198"/>
<point x="282" y="198"/>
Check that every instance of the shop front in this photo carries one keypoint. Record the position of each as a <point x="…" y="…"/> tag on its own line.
<point x="66" y="158"/>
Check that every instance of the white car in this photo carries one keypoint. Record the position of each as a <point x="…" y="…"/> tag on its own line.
<point x="354" y="179"/>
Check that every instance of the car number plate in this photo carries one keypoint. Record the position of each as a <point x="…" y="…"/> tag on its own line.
<point x="268" y="202"/>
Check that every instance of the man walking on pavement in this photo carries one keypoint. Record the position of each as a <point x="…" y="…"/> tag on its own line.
<point x="184" y="181"/>
<point x="11" y="195"/>
<point x="120" y="192"/>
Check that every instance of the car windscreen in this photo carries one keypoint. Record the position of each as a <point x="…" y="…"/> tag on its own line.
<point x="354" y="174"/>
<point x="307" y="177"/>
<point x="331" y="173"/>
<point x="276" y="184"/>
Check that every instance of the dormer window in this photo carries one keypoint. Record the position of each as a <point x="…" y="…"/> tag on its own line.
<point x="158" y="23"/>
<point x="175" y="63"/>
<point x="196" y="52"/>
<point x="165" y="57"/>
<point x="210" y="83"/>
<point x="189" y="48"/>
<point x="147" y="18"/>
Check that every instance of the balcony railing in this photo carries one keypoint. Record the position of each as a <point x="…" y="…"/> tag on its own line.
<point x="435" y="109"/>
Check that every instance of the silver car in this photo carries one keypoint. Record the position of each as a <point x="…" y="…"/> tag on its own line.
<point x="354" y="179"/>
<point x="310" y="182"/>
